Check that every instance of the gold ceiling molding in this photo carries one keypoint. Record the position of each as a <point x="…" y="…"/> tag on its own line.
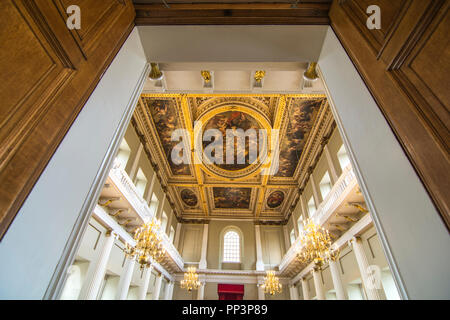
<point x="241" y="174"/>
<point x="203" y="191"/>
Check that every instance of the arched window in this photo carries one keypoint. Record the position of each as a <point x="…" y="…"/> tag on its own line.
<point x="231" y="247"/>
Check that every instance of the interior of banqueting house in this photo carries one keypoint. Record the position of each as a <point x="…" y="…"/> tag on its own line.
<point x="224" y="150"/>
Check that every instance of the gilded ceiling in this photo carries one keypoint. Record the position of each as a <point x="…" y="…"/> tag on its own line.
<point x="262" y="186"/>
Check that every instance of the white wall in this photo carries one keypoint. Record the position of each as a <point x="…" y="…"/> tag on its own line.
<point x="232" y="43"/>
<point x="35" y="241"/>
<point x="404" y="215"/>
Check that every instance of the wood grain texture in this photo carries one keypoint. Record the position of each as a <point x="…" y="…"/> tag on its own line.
<point x="47" y="74"/>
<point x="406" y="65"/>
<point x="307" y="12"/>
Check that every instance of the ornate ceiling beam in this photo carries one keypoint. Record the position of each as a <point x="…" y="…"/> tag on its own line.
<point x="233" y="184"/>
<point x="305" y="13"/>
<point x="189" y="107"/>
<point x="265" y="178"/>
<point x="188" y="123"/>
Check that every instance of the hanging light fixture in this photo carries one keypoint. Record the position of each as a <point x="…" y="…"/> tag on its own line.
<point x="271" y="283"/>
<point x="190" y="281"/>
<point x="316" y="245"/>
<point x="149" y="246"/>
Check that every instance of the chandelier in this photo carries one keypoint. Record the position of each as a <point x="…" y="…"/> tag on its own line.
<point x="271" y="283"/>
<point x="149" y="244"/>
<point x="316" y="244"/>
<point x="190" y="281"/>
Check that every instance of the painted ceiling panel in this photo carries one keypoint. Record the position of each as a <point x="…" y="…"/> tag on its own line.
<point x="205" y="190"/>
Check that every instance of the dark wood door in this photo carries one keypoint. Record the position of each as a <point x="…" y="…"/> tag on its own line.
<point x="406" y="66"/>
<point x="47" y="72"/>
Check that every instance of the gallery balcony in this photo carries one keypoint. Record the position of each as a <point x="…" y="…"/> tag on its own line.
<point x="121" y="204"/>
<point x="342" y="210"/>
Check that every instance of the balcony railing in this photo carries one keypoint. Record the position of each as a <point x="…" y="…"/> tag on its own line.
<point x="127" y="188"/>
<point x="334" y="198"/>
<point x="173" y="252"/>
<point x="345" y="182"/>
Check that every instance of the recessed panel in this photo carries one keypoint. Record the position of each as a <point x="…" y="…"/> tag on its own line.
<point x="230" y="198"/>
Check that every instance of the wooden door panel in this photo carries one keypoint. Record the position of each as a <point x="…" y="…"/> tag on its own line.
<point x="425" y="76"/>
<point x="28" y="84"/>
<point x="391" y="13"/>
<point x="408" y="77"/>
<point x="47" y="75"/>
<point x="95" y="15"/>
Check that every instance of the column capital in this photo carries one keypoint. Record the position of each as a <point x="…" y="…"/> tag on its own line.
<point x="353" y="240"/>
<point x="111" y="233"/>
<point x="315" y="269"/>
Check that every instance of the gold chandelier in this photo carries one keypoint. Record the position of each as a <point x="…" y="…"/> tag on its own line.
<point x="316" y="244"/>
<point x="271" y="283"/>
<point x="190" y="281"/>
<point x="149" y="244"/>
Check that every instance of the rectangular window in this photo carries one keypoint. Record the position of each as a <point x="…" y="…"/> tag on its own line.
<point x="342" y="155"/>
<point x="123" y="154"/>
<point x="141" y="182"/>
<point x="325" y="185"/>
<point x="311" y="207"/>
<point x="163" y="222"/>
<point x="153" y="204"/>
<point x="292" y="236"/>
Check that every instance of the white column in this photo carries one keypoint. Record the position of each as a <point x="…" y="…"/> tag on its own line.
<point x="261" y="294"/>
<point x="314" y="190"/>
<point x="333" y="174"/>
<point x="341" y="294"/>
<point x="177" y="235"/>
<point x="293" y="292"/>
<point x="168" y="294"/>
<point x="287" y="240"/>
<point x="169" y="291"/>
<point x="203" y="263"/>
<point x="97" y="269"/>
<point x="364" y="269"/>
<point x="148" y="198"/>
<point x="157" y="289"/>
<point x="134" y="166"/>
<point x="305" y="289"/>
<point x="143" y="289"/>
<point x="201" y="291"/>
<point x="318" y="284"/>
<point x="125" y="279"/>
<point x="161" y="207"/>
<point x="259" y="258"/>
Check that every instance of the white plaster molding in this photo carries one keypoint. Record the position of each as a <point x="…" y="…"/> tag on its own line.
<point x="345" y="184"/>
<point x="362" y="225"/>
<point x="105" y="219"/>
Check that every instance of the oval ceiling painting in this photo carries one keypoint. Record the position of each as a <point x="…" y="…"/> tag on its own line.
<point x="245" y="152"/>
<point x="275" y="199"/>
<point x="189" y="197"/>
